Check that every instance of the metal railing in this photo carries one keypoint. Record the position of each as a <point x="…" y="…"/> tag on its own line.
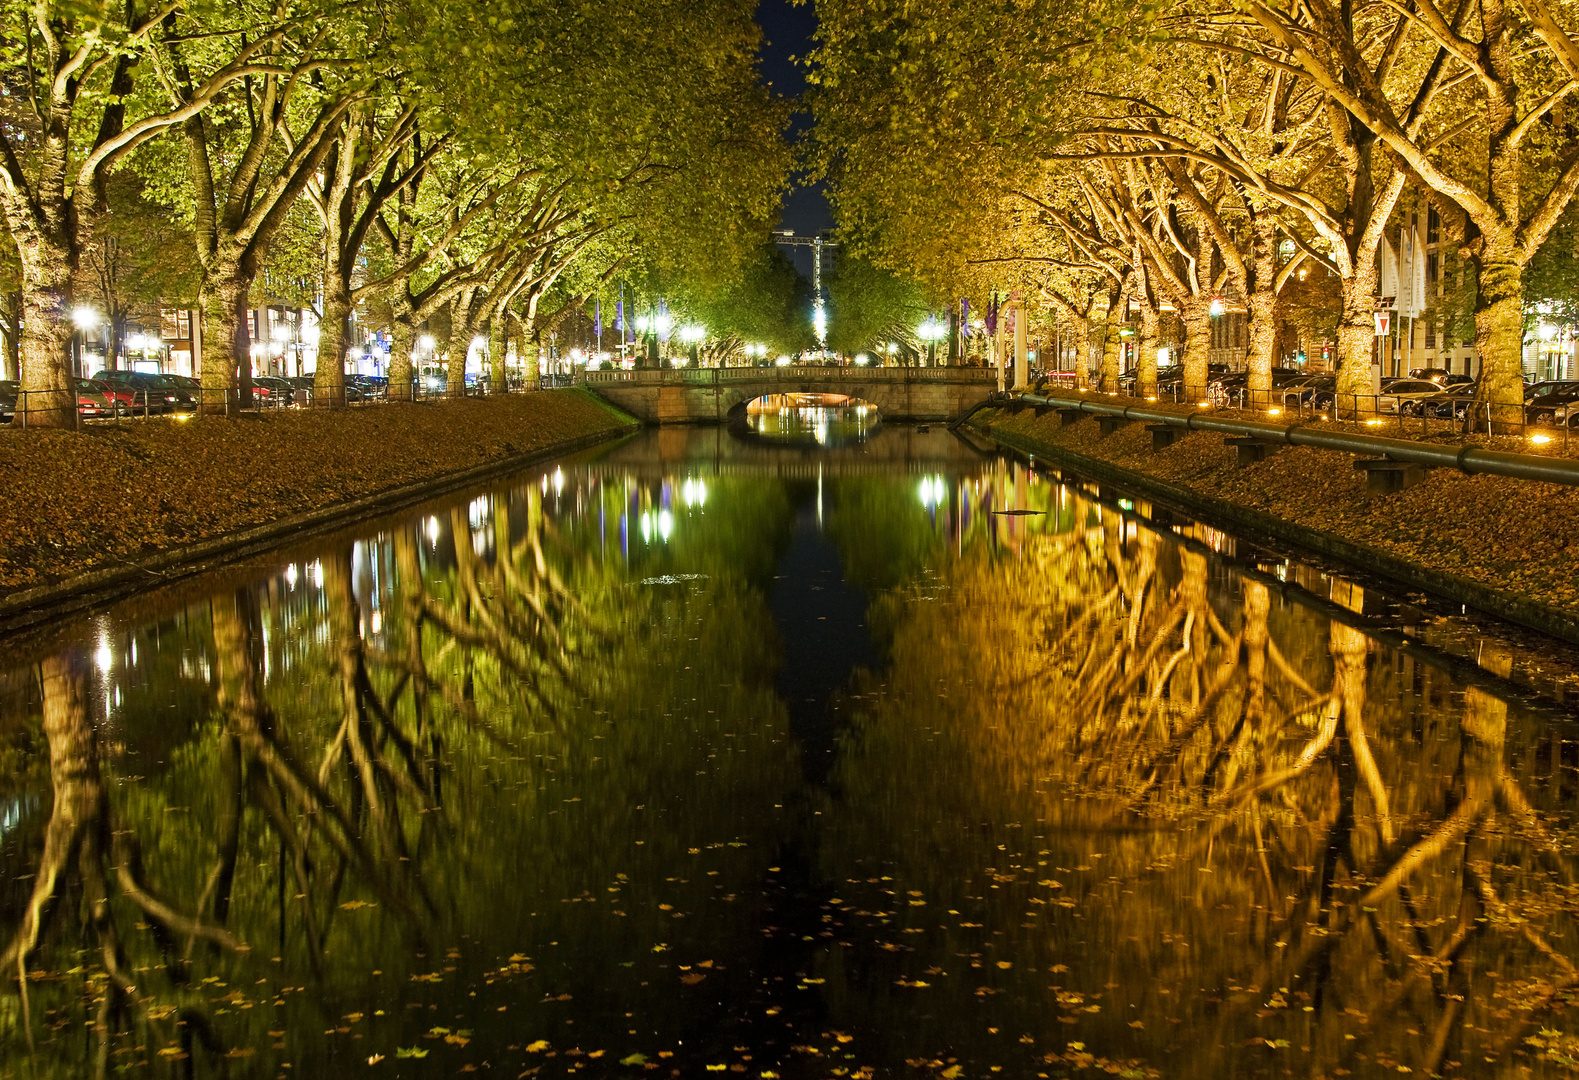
<point x="1428" y="417"/>
<point x="28" y="407"/>
<point x="1467" y="458"/>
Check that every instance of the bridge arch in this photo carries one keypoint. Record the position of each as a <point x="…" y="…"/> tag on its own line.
<point x="795" y="399"/>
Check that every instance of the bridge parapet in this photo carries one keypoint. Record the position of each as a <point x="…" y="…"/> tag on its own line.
<point x="790" y="374"/>
<point x="713" y="395"/>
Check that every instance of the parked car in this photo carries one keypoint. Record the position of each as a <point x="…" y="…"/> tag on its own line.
<point x="1403" y="395"/>
<point x="1170" y="381"/>
<point x="282" y="392"/>
<point x="302" y="387"/>
<point x="1553" y="403"/>
<point x="1226" y="389"/>
<point x="10" y="390"/>
<point x="150" y="392"/>
<point x="1303" y="393"/>
<point x="372" y="386"/>
<point x="97" y="398"/>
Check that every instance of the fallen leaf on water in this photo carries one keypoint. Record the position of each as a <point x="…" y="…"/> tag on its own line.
<point x="410" y="1052"/>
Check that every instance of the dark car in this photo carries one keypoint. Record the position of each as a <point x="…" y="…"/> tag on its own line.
<point x="273" y="391"/>
<point x="1453" y="403"/>
<point x="149" y="392"/>
<point x="1552" y="403"/>
<point x="1303" y="393"/>
<point x="303" y="386"/>
<point x="10" y="390"/>
<point x="1170" y="381"/>
<point x="371" y="386"/>
<point x="1227" y="389"/>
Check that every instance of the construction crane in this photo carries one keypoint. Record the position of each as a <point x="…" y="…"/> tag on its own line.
<point x="819" y="312"/>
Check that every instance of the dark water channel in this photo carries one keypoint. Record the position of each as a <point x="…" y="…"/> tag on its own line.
<point x="700" y="755"/>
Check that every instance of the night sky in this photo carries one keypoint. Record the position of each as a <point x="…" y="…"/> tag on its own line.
<point x="787" y="29"/>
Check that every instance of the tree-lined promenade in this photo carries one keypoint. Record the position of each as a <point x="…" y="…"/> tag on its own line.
<point x="1161" y="157"/>
<point x="498" y="165"/>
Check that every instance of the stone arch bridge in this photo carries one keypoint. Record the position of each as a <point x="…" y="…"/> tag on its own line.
<point x="718" y="395"/>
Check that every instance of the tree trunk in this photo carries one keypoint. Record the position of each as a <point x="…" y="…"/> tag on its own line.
<point x="222" y="302"/>
<point x="496" y="351"/>
<point x="329" y="381"/>
<point x="402" y="338"/>
<point x="1107" y="378"/>
<point x="11" y="313"/>
<point x="532" y="361"/>
<point x="1197" y="316"/>
<point x="45" y="348"/>
<point x="460" y="346"/>
<point x="1499" y="338"/>
<point x="1357" y="340"/>
<point x="1262" y="301"/>
<point x="1146" y="357"/>
<point x="1112" y="339"/>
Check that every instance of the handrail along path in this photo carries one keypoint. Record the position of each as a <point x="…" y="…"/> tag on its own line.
<point x="1468" y="459"/>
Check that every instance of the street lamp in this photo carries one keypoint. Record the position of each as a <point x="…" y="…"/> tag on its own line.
<point x="930" y="332"/>
<point x="84" y="319"/>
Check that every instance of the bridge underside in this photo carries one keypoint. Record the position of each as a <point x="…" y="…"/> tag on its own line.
<point x="683" y="397"/>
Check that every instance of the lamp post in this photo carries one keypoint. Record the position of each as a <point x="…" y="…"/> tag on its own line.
<point x="84" y="319"/>
<point x="692" y="335"/>
<point x="930" y="332"/>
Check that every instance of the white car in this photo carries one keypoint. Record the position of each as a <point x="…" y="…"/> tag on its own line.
<point x="1400" y="394"/>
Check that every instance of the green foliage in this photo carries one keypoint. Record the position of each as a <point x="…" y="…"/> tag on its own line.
<point x="768" y="302"/>
<point x="870" y="308"/>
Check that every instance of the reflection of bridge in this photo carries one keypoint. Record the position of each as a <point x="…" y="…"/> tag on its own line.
<point x="714" y="395"/>
<point x="714" y="451"/>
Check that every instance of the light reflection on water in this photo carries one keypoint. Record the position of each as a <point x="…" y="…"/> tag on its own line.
<point x="786" y="421"/>
<point x="516" y="779"/>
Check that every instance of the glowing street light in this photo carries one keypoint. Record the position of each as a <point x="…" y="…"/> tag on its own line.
<point x="931" y="332"/>
<point x="85" y="318"/>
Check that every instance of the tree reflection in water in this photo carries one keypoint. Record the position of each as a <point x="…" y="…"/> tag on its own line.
<point x="513" y="772"/>
<point x="1218" y="832"/>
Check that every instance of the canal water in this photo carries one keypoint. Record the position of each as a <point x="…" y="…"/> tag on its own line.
<point x="708" y="753"/>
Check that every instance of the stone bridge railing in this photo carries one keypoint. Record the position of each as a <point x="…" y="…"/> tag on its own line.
<point x="789" y="374"/>
<point x="715" y="395"/>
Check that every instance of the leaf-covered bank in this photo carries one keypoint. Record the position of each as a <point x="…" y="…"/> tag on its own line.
<point x="1508" y="546"/>
<point x="72" y="502"/>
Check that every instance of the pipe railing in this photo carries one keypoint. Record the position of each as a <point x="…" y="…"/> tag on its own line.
<point x="1469" y="459"/>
